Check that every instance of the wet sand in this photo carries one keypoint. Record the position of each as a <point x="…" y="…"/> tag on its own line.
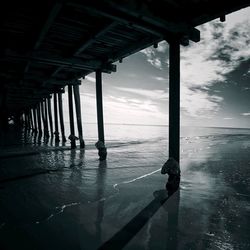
<point x="62" y="199"/>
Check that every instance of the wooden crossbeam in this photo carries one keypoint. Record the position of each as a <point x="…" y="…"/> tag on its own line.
<point x="88" y="42"/>
<point x="73" y="63"/>
<point x="52" y="15"/>
<point x="150" y="26"/>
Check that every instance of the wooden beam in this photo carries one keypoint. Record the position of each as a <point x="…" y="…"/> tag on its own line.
<point x="95" y="35"/>
<point x="52" y="15"/>
<point x="72" y="63"/>
<point x="51" y="18"/>
<point x="156" y="28"/>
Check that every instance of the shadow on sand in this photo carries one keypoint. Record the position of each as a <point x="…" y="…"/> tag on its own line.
<point x="122" y="237"/>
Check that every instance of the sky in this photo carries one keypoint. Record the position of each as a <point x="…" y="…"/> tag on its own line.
<point x="215" y="81"/>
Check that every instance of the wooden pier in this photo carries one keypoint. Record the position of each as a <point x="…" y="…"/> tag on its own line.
<point x="46" y="47"/>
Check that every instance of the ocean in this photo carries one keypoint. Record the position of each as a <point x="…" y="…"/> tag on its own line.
<point x="47" y="191"/>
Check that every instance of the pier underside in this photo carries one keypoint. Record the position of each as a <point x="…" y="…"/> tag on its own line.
<point x="56" y="194"/>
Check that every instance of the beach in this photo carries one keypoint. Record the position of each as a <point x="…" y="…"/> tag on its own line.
<point x="52" y="197"/>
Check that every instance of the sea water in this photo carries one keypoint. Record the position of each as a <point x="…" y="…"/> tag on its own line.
<point x="61" y="190"/>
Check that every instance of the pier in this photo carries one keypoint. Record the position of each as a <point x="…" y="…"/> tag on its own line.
<point x="48" y="49"/>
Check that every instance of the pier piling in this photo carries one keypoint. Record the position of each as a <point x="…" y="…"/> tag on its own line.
<point x="60" y="104"/>
<point x="50" y="116"/>
<point x="78" y="114"/>
<point x="56" y="119"/>
<point x="71" y="118"/>
<point x="174" y="99"/>
<point x="39" y="121"/>
<point x="102" y="151"/>
<point x="46" y="119"/>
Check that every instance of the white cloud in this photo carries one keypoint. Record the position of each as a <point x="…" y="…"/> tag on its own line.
<point x="156" y="94"/>
<point x="246" y="114"/>
<point x="198" y="103"/>
<point x="152" y="58"/>
<point x="90" y="79"/>
<point x="162" y="47"/>
<point x="227" y="118"/>
<point x="159" y="78"/>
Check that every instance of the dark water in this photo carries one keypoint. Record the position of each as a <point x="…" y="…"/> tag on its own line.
<point x="55" y="198"/>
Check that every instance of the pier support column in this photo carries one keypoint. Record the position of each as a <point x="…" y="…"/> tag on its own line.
<point x="39" y="124"/>
<point x="35" y="119"/>
<point x="60" y="104"/>
<point x="31" y="120"/>
<point x="72" y="136"/>
<point x="172" y="167"/>
<point x="78" y="114"/>
<point x="46" y="119"/>
<point x="100" y="145"/>
<point x="26" y="120"/>
<point x="56" y="119"/>
<point x="42" y="116"/>
<point x="50" y="116"/>
<point x="174" y="100"/>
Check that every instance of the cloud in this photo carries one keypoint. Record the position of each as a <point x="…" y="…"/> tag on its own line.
<point x="90" y="79"/>
<point x="227" y="118"/>
<point x="198" y="103"/>
<point x="222" y="48"/>
<point x="159" y="78"/>
<point x="157" y="94"/>
<point x="152" y="58"/>
<point x="246" y="114"/>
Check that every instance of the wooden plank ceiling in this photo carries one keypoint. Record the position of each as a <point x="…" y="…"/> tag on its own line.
<point x="45" y="46"/>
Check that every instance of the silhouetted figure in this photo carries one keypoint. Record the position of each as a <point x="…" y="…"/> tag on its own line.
<point x="172" y="168"/>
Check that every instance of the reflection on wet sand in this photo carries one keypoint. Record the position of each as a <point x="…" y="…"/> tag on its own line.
<point x="76" y="202"/>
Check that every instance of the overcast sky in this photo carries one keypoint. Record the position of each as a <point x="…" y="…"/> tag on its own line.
<point x="215" y="81"/>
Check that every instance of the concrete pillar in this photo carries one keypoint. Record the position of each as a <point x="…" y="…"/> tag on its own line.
<point x="60" y="103"/>
<point x="71" y="118"/>
<point x="102" y="151"/>
<point x="78" y="114"/>
<point x="56" y="119"/>
<point x="174" y="100"/>
<point x="50" y="116"/>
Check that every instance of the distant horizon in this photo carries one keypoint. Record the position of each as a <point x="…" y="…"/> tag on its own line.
<point x="164" y="125"/>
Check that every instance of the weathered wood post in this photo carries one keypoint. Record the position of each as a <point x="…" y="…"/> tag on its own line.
<point x="50" y="116"/>
<point x="46" y="119"/>
<point x="174" y="100"/>
<point x="56" y="119"/>
<point x="35" y="119"/>
<point x="172" y="166"/>
<point x="102" y="151"/>
<point x="71" y="118"/>
<point x="61" y="116"/>
<point x="78" y="114"/>
<point x="39" y="120"/>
